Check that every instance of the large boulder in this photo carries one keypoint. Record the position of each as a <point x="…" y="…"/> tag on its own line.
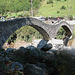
<point x="46" y="47"/>
<point x="32" y="69"/>
<point x="41" y="44"/>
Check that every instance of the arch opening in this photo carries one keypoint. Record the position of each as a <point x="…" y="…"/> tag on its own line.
<point x="62" y="31"/>
<point x="68" y="32"/>
<point x="42" y="32"/>
<point x="9" y="27"/>
<point x="28" y="33"/>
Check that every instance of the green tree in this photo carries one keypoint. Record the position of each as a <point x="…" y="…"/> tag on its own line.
<point x="60" y="33"/>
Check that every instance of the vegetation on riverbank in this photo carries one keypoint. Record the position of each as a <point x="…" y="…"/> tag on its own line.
<point x="57" y="8"/>
<point x="25" y="33"/>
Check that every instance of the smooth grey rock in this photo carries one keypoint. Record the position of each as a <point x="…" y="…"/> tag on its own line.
<point x="41" y="44"/>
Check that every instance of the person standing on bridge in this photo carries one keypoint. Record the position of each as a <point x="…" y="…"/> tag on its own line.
<point x="58" y="19"/>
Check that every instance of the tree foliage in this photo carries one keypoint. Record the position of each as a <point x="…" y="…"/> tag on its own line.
<point x="17" y="5"/>
<point x="63" y="7"/>
<point x="26" y="33"/>
<point x="61" y="32"/>
<point x="50" y="1"/>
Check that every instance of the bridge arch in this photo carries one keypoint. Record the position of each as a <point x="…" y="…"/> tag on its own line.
<point x="9" y="27"/>
<point x="48" y="31"/>
<point x="65" y="26"/>
<point x="42" y="32"/>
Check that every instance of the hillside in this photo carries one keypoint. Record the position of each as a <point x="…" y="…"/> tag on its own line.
<point x="54" y="8"/>
<point x="57" y="8"/>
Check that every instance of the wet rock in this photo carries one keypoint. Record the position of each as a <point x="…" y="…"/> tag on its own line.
<point x="32" y="69"/>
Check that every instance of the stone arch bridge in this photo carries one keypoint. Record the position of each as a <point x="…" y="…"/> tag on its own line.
<point x="48" y="31"/>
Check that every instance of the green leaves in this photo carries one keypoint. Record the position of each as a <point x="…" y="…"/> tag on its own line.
<point x="26" y="33"/>
<point x="60" y="33"/>
<point x="17" y="5"/>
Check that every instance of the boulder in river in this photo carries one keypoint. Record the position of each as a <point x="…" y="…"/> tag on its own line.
<point x="46" y="47"/>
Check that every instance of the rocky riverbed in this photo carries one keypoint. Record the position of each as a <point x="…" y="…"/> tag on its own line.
<point x="41" y="59"/>
<point x="34" y="61"/>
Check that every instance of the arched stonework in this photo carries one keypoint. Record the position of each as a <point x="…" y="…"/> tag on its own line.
<point x="48" y="31"/>
<point x="9" y="27"/>
<point x="66" y="27"/>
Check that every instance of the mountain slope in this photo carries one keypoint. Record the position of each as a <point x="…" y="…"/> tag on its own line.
<point x="57" y="8"/>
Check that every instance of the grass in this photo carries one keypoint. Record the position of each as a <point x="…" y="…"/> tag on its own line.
<point x="51" y="9"/>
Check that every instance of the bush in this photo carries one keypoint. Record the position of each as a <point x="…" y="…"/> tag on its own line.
<point x="60" y="33"/>
<point x="58" y="0"/>
<point x="70" y="17"/>
<point x="63" y="7"/>
<point x="58" y="11"/>
<point x="50" y="1"/>
<point x="74" y="34"/>
<point x="26" y="13"/>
